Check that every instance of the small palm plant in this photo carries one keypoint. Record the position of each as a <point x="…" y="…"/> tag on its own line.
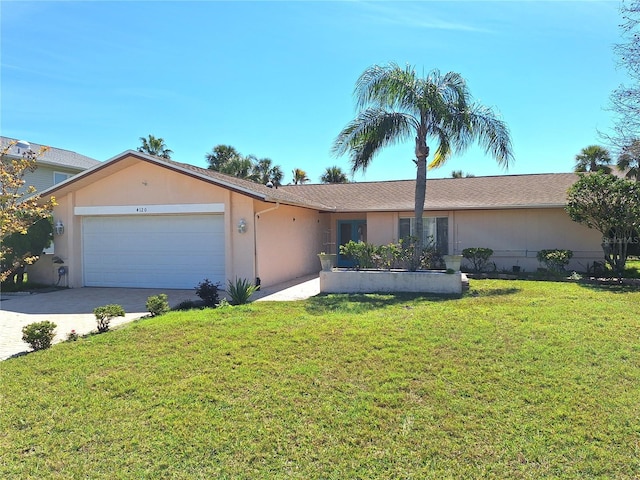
<point x="240" y="291"/>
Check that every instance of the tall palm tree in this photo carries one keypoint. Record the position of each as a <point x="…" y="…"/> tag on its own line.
<point x="299" y="176"/>
<point x="264" y="172"/>
<point x="396" y="105"/>
<point x="629" y="160"/>
<point x="334" y="175"/>
<point x="154" y="146"/>
<point x="241" y="167"/>
<point x="593" y="158"/>
<point x="220" y="155"/>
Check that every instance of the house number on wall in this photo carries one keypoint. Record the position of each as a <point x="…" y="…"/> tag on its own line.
<point x="141" y="209"/>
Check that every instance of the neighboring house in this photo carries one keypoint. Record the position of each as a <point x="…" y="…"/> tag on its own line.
<point x="54" y="166"/>
<point x="142" y="221"/>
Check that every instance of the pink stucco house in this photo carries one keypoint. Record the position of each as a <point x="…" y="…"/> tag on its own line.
<point x="141" y="221"/>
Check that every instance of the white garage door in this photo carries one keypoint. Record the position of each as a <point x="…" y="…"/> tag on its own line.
<point x="164" y="251"/>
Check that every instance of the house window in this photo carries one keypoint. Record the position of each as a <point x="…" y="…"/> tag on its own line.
<point x="435" y="231"/>
<point x="60" y="177"/>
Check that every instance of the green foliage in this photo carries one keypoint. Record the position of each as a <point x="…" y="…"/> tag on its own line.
<point x="554" y="259"/>
<point x="334" y="175"/>
<point x="186" y="305"/>
<point x="158" y="304"/>
<point x="105" y="314"/>
<point x="154" y="146"/>
<point x="401" y="255"/>
<point x="611" y="206"/>
<point x="39" y="334"/>
<point x="396" y="104"/>
<point x="72" y="336"/>
<point x="208" y="292"/>
<point x="240" y="291"/>
<point x="26" y="248"/>
<point x="478" y="256"/>
<point x="360" y="252"/>
<point x="20" y="208"/>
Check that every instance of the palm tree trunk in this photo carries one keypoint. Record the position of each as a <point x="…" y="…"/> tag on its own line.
<point x="422" y="152"/>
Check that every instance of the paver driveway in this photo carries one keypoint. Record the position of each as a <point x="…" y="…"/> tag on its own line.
<point x="72" y="309"/>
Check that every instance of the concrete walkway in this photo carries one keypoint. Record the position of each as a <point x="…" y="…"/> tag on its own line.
<point x="72" y="309"/>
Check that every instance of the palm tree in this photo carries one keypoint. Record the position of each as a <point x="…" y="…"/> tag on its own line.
<point x="395" y="105"/>
<point x="334" y="175"/>
<point x="299" y="176"/>
<point x="264" y="172"/>
<point x="220" y="155"/>
<point x="629" y="160"/>
<point x="154" y="146"/>
<point x="241" y="167"/>
<point x="593" y="158"/>
<point x="460" y="174"/>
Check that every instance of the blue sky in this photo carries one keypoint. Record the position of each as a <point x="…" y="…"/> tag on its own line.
<point x="275" y="79"/>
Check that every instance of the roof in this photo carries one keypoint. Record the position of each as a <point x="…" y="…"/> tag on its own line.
<point x="54" y="156"/>
<point x="503" y="191"/>
<point x="493" y="192"/>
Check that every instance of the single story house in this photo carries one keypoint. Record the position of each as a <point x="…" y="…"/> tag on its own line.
<point x="141" y="221"/>
<point x="54" y="166"/>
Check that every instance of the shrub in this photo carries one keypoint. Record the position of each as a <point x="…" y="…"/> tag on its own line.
<point x="39" y="334"/>
<point x="186" y="305"/>
<point x="208" y="292"/>
<point x="555" y="259"/>
<point x="240" y="291"/>
<point x="104" y="315"/>
<point x="158" y="304"/>
<point x="72" y="336"/>
<point x="360" y="252"/>
<point x="478" y="256"/>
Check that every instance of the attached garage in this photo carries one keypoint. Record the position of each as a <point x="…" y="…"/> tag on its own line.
<point x="153" y="251"/>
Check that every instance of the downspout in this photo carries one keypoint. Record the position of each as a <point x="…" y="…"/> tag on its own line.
<point x="255" y="239"/>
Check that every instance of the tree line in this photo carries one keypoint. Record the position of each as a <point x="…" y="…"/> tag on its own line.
<point x="226" y="159"/>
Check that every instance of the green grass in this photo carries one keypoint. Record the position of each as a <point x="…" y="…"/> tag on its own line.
<point x="514" y="380"/>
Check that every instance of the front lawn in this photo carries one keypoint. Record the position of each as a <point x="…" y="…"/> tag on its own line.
<point x="514" y="380"/>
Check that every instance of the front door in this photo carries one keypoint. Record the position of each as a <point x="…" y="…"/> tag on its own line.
<point x="348" y="230"/>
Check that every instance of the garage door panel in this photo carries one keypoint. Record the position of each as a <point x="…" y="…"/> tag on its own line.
<point x="172" y="251"/>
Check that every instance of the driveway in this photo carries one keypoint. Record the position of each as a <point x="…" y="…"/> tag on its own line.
<point x="72" y="309"/>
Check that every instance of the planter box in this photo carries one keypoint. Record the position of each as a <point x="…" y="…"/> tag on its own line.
<point x="394" y="281"/>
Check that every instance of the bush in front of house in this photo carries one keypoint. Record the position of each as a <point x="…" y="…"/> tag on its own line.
<point x="105" y="314"/>
<point x="158" y="304"/>
<point x="39" y="335"/>
<point x="554" y="259"/>
<point x="208" y="292"/>
<point x="392" y="255"/>
<point x="240" y="291"/>
<point x="478" y="257"/>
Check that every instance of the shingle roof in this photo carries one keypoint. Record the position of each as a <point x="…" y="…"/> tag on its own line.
<point x="504" y="191"/>
<point x="54" y="156"/>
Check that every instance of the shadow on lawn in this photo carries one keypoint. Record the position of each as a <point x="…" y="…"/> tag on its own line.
<point x="494" y="292"/>
<point x="356" y="303"/>
<point x="612" y="286"/>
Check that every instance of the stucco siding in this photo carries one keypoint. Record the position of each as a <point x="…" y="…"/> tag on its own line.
<point x="517" y="235"/>
<point x="382" y="228"/>
<point x="288" y="241"/>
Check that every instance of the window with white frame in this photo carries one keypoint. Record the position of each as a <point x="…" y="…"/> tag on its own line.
<point x="435" y="231"/>
<point x="60" y="177"/>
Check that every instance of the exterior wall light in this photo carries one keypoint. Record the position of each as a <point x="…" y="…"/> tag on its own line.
<point x="59" y="227"/>
<point x="242" y="226"/>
